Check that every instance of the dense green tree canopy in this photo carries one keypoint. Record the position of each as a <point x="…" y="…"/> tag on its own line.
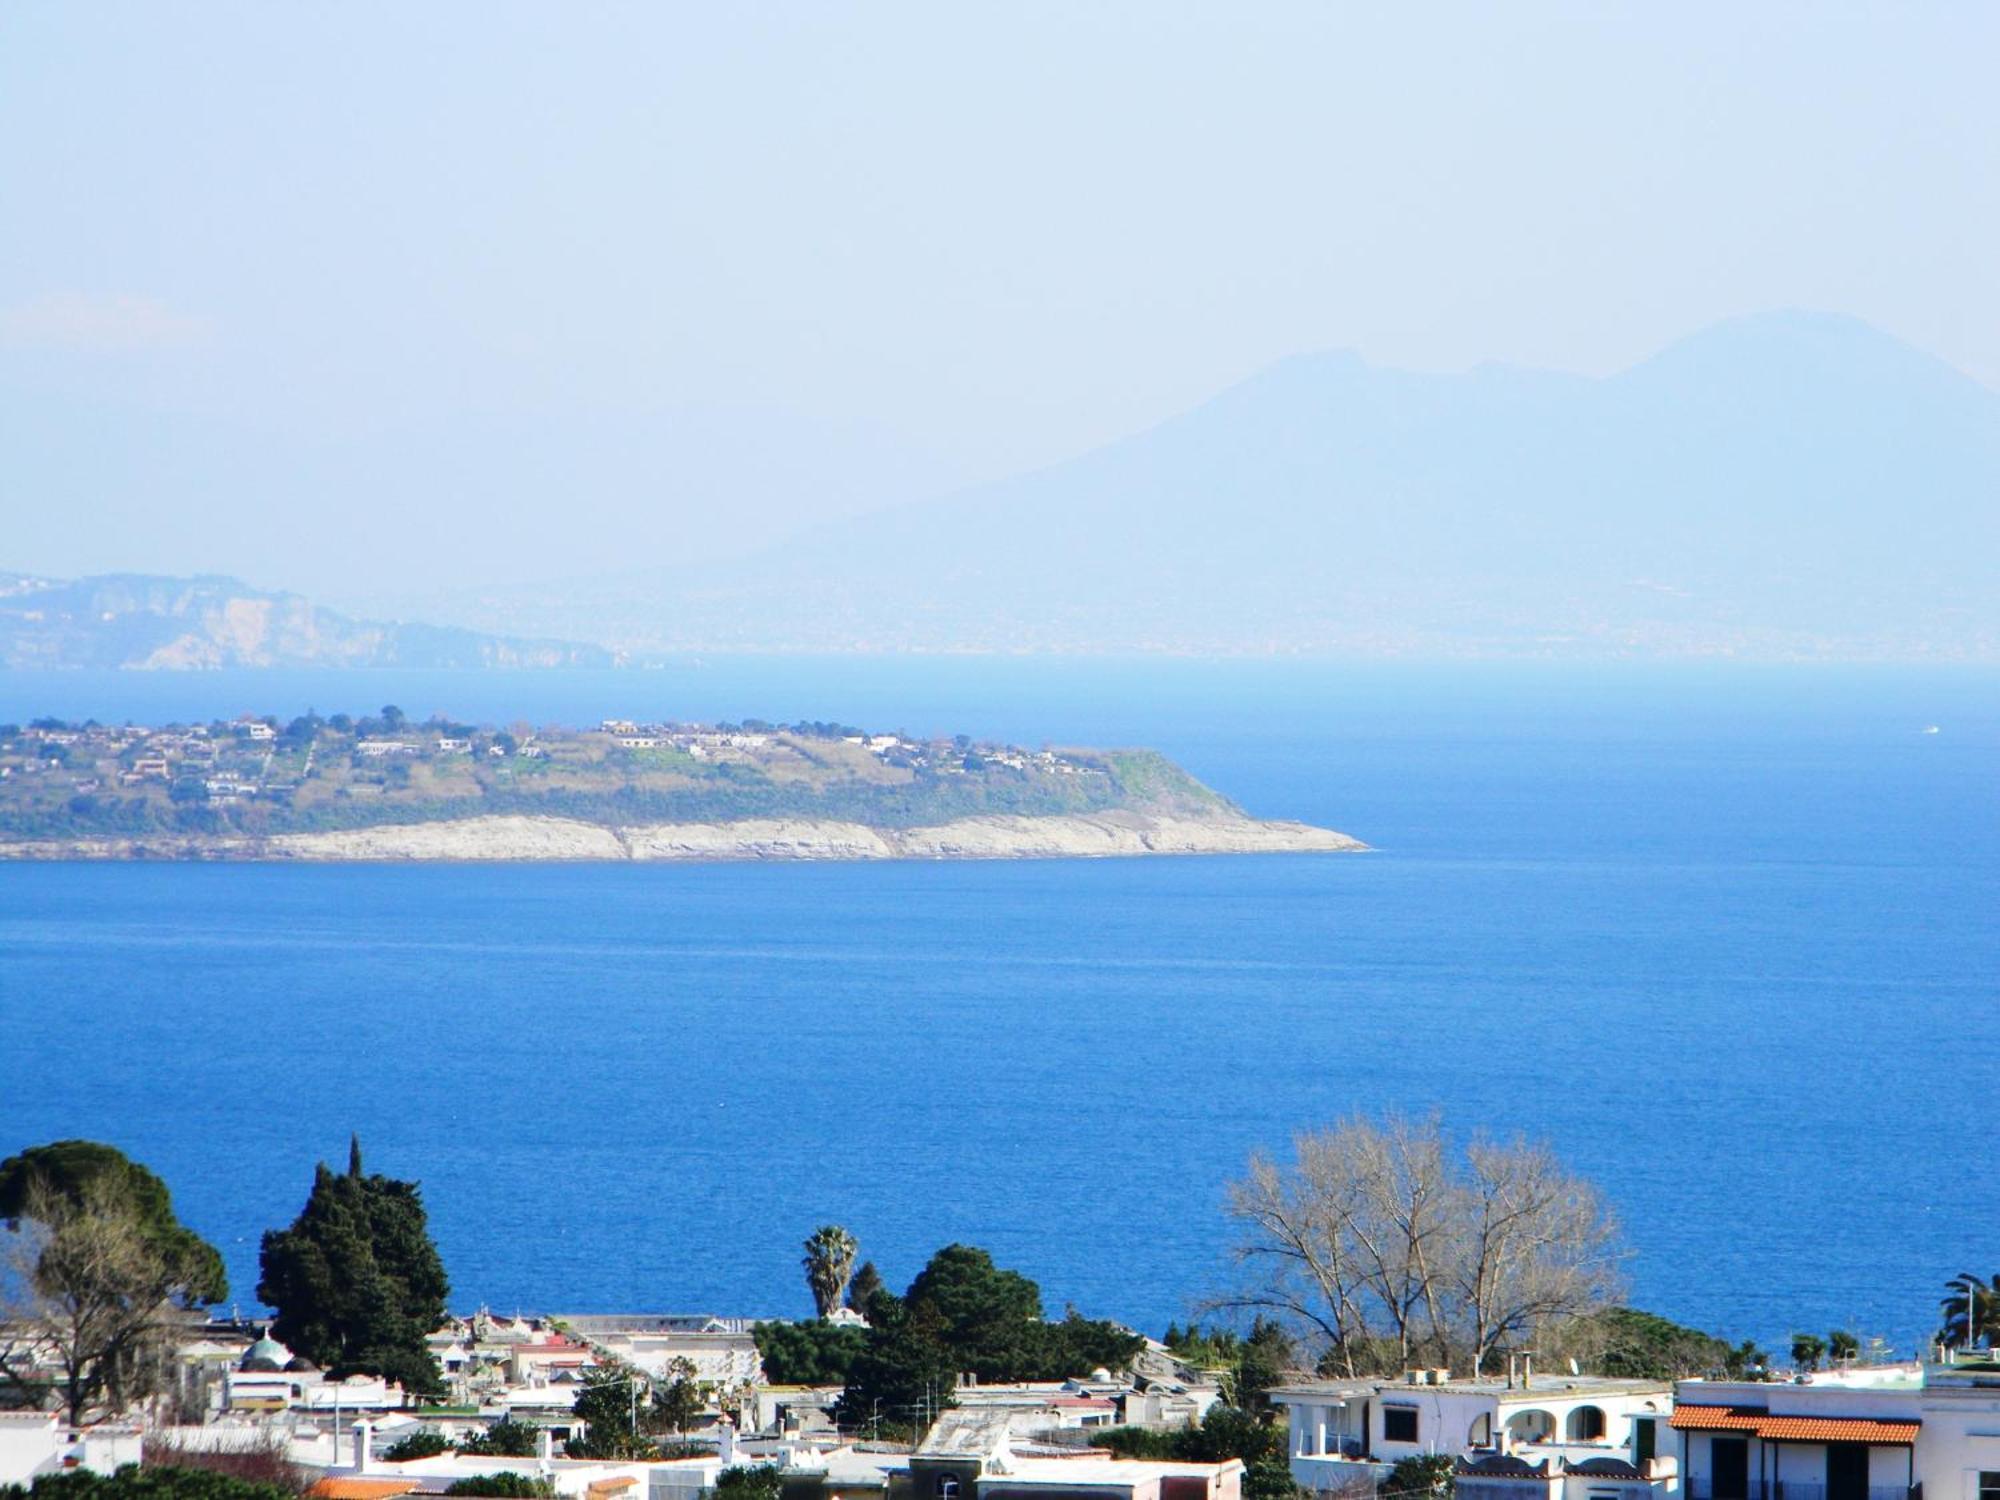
<point x="72" y="1169"/>
<point x="862" y="1289"/>
<point x="990" y="1319"/>
<point x="425" y="1442"/>
<point x="1226" y="1432"/>
<point x="505" y="1438"/>
<point x="94" y="1282"/>
<point x="507" y="1485"/>
<point x="750" y="1482"/>
<point x="808" y="1353"/>
<point x="356" y="1280"/>
<point x="965" y="1314"/>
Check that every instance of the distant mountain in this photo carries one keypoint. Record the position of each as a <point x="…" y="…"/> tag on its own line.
<point x="132" y="620"/>
<point x="1785" y="485"/>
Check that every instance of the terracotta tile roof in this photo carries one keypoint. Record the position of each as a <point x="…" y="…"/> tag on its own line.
<point x="1838" y="1430"/>
<point x="1762" y="1424"/>
<point x="1715" y="1418"/>
<point x="361" y="1489"/>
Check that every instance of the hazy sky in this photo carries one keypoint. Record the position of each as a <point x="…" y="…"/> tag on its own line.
<point x="365" y="298"/>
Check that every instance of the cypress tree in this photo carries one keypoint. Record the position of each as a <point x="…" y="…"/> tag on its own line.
<point x="356" y="1281"/>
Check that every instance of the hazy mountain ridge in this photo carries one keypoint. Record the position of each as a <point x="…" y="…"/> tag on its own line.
<point x="147" y="622"/>
<point x="1791" y="484"/>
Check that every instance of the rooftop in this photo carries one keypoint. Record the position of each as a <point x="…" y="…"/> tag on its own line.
<point x="1060" y="1473"/>
<point x="1691" y="1417"/>
<point x="1541" y="1388"/>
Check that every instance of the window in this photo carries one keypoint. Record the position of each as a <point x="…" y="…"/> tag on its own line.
<point x="1399" y="1425"/>
<point x="1989" y="1484"/>
<point x="947" y="1487"/>
<point x="1586" y="1424"/>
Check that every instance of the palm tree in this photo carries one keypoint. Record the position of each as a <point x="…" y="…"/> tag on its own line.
<point x="1807" y="1349"/>
<point x="829" y="1263"/>
<point x="1971" y="1311"/>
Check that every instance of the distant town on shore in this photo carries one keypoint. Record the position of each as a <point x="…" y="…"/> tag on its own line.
<point x="382" y="785"/>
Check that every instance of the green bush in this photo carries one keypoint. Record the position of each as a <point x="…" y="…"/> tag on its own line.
<point x="757" y="1482"/>
<point x="505" y="1439"/>
<point x="506" y="1485"/>
<point x="428" y="1443"/>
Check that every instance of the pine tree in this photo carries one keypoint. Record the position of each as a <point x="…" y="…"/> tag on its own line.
<point x="356" y="1280"/>
<point x="862" y="1289"/>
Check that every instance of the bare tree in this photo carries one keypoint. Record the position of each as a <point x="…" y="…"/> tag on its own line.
<point x="265" y="1459"/>
<point x="86" y="1302"/>
<point x="1301" y="1260"/>
<point x="1536" y="1245"/>
<point x="1348" y="1240"/>
<point x="1375" y="1237"/>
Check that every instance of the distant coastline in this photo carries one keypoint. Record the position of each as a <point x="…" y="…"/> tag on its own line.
<point x="383" y="788"/>
<point x="517" y="838"/>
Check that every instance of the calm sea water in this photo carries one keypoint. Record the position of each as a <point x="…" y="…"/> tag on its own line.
<point x="1726" y="936"/>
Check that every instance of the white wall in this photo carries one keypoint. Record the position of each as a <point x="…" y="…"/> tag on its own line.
<point x="1961" y="1436"/>
<point x="29" y="1443"/>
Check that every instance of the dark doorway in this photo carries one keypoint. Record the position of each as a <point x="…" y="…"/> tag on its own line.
<point x="1729" y="1464"/>
<point x="1846" y="1471"/>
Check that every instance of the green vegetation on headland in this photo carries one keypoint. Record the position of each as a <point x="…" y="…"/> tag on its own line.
<point x="254" y="777"/>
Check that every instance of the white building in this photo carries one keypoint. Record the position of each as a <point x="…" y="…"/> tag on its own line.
<point x="1339" y="1427"/>
<point x="1886" y="1432"/>
<point x="723" y="1351"/>
<point x="269" y="1377"/>
<point x="370" y="1477"/>
<point x="31" y="1444"/>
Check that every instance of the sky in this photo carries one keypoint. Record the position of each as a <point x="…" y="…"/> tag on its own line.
<point x="376" y="299"/>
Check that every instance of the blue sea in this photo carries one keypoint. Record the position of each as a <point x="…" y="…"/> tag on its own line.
<point x="1724" y="935"/>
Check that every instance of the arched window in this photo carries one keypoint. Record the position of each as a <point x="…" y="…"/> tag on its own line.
<point x="1531" y="1426"/>
<point x="947" y="1487"/>
<point x="1586" y="1424"/>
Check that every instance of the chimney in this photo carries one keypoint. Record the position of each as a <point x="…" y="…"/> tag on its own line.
<point x="364" y="1447"/>
<point x="1528" y="1370"/>
<point x="1513" y="1370"/>
<point x="725" y="1443"/>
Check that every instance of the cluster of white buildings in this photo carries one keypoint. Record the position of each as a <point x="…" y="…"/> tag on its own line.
<point x="1001" y="1442"/>
<point x="894" y="749"/>
<point x="1917" y="1431"/>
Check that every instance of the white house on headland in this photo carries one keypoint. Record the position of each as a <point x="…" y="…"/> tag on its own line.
<point x="1341" y="1429"/>
<point x="1881" y="1432"/>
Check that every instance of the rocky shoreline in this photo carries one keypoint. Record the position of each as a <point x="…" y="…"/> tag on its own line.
<point x="522" y="838"/>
